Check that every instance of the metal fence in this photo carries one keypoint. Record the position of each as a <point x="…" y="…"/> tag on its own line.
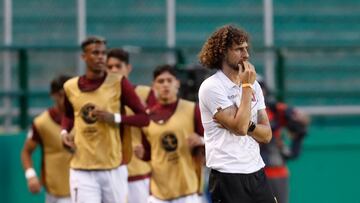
<point x="41" y="40"/>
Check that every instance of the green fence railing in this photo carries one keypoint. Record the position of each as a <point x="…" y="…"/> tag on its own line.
<point x="303" y="75"/>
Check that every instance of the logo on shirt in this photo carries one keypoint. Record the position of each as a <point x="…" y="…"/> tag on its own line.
<point x="87" y="115"/>
<point x="232" y="96"/>
<point x="169" y="141"/>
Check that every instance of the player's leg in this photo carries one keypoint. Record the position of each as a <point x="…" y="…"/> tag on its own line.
<point x="84" y="187"/>
<point x="49" y="198"/>
<point x="194" y="198"/>
<point x="153" y="199"/>
<point x="188" y="199"/>
<point x="64" y="200"/>
<point x="228" y="187"/>
<point x="261" y="191"/>
<point x="114" y="185"/>
<point x="139" y="190"/>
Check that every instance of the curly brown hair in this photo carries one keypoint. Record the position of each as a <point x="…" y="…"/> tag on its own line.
<point x="213" y="51"/>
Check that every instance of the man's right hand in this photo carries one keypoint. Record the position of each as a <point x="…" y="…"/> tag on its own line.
<point x="249" y="73"/>
<point x="34" y="185"/>
<point x="68" y="140"/>
<point x="103" y="115"/>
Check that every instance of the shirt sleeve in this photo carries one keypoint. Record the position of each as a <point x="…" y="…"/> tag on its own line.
<point x="198" y="124"/>
<point x="213" y="98"/>
<point x="33" y="134"/>
<point x="147" y="147"/>
<point x="67" y="121"/>
<point x="130" y="99"/>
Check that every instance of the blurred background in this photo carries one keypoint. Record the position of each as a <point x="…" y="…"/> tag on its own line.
<point x="308" y="52"/>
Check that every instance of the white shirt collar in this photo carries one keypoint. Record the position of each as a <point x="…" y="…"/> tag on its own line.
<point x="227" y="82"/>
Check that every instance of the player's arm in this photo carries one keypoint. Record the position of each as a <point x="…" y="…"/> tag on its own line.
<point x="131" y="99"/>
<point x="237" y="119"/>
<point x="67" y="123"/>
<point x="261" y="132"/>
<point x="196" y="138"/>
<point x="143" y="150"/>
<point x="30" y="145"/>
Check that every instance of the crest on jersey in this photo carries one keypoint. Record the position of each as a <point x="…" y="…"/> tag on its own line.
<point x="86" y="113"/>
<point x="169" y="141"/>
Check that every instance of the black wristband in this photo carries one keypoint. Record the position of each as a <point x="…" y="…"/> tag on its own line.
<point x="252" y="127"/>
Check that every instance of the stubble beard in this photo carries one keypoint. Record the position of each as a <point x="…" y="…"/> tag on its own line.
<point x="234" y="67"/>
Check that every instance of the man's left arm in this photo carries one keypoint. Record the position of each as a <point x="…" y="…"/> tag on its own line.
<point x="262" y="131"/>
<point x="130" y="99"/>
<point x="196" y="139"/>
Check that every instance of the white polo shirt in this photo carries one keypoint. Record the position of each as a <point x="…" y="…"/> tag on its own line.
<point x="225" y="151"/>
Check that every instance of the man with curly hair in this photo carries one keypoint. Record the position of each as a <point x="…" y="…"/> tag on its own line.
<point x="234" y="118"/>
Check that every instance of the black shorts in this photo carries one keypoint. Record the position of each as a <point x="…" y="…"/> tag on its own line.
<point x="240" y="188"/>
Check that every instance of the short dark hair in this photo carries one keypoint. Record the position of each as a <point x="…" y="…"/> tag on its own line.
<point x="164" y="68"/>
<point x="120" y="54"/>
<point x="57" y="83"/>
<point x="92" y="40"/>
